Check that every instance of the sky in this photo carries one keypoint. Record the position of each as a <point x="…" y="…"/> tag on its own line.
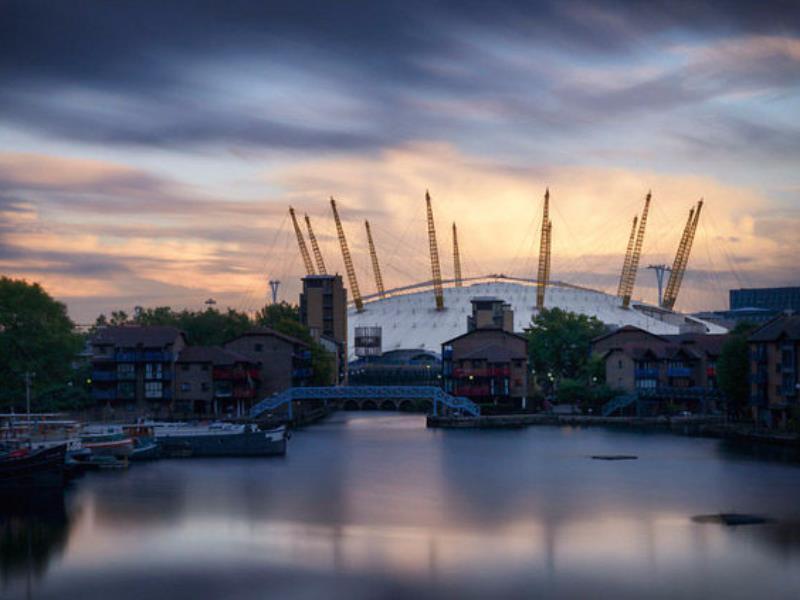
<point x="149" y="151"/>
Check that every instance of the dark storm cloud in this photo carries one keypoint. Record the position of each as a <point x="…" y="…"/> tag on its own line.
<point x="76" y="264"/>
<point x="93" y="187"/>
<point x="381" y="52"/>
<point x="734" y="135"/>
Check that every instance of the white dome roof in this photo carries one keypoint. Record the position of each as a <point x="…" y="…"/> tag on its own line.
<point x="409" y="319"/>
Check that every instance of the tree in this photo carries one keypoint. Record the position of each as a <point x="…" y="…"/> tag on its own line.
<point x="559" y="344"/>
<point x="733" y="368"/>
<point x="285" y="318"/>
<point x="36" y="336"/>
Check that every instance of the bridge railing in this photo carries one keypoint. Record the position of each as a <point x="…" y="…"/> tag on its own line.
<point x="435" y="395"/>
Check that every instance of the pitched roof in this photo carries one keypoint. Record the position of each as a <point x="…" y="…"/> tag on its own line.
<point x="268" y="331"/>
<point x="483" y="330"/>
<point x="626" y="329"/>
<point x="493" y="353"/>
<point x="787" y="326"/>
<point x="129" y="336"/>
<point x="211" y="354"/>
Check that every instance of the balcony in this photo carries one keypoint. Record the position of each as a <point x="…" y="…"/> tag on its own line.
<point x="104" y="394"/>
<point x="147" y="356"/>
<point x="472" y="390"/>
<point x="500" y="371"/>
<point x="679" y="372"/>
<point x="104" y="375"/>
<point x="646" y="373"/>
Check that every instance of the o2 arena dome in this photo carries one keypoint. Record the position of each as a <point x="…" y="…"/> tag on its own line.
<point x="408" y="318"/>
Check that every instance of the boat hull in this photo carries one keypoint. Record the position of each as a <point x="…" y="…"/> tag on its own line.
<point x="247" y="443"/>
<point x="41" y="468"/>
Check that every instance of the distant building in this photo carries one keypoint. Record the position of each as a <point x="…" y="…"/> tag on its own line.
<point x="212" y="381"/>
<point x="283" y="361"/>
<point x="730" y="318"/>
<point x="323" y="309"/>
<point x="489" y="363"/>
<point x="677" y="369"/>
<point x="778" y="299"/>
<point x="133" y="369"/>
<point x="397" y="367"/>
<point x="774" y="367"/>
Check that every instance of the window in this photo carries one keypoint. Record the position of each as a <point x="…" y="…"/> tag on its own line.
<point x="259" y="347"/>
<point x="619" y="364"/>
<point x="152" y="371"/>
<point x="204" y="367"/>
<point x="186" y="387"/>
<point x="152" y="389"/>
<point x="184" y="367"/>
<point x="126" y="371"/>
<point x="126" y="389"/>
<point x="646" y="384"/>
<point x="204" y="387"/>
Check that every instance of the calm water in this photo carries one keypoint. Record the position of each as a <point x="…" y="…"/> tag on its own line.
<point x="375" y="505"/>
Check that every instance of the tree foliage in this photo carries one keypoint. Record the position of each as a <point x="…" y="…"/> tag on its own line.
<point x="733" y="368"/>
<point x="36" y="336"/>
<point x="285" y="318"/>
<point x="559" y="346"/>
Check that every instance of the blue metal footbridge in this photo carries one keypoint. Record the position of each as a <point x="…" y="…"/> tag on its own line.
<point x="439" y="399"/>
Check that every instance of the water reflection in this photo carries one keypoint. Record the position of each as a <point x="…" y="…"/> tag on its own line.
<point x="376" y="505"/>
<point x="33" y="531"/>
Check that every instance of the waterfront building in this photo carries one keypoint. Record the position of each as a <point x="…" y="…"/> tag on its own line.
<point x="489" y="363"/>
<point x="133" y="369"/>
<point x="774" y="366"/>
<point x="210" y="380"/>
<point x="283" y="361"/>
<point x="663" y="369"/>
<point x="397" y="367"/>
<point x="779" y="299"/>
<point x="323" y="309"/>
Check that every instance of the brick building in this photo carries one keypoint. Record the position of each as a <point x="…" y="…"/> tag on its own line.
<point x="323" y="309"/>
<point x="133" y="369"/>
<point x="679" y="369"/>
<point x="212" y="381"/>
<point x="283" y="361"/>
<point x="489" y="363"/>
<point x="774" y="366"/>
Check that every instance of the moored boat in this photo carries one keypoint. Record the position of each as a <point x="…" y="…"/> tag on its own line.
<point x="219" y="439"/>
<point x="39" y="468"/>
<point x="107" y="440"/>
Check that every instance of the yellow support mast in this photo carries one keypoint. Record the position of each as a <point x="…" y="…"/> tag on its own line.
<point x="348" y="261"/>
<point x="434" y="249"/>
<point x="302" y="244"/>
<point x="682" y="258"/>
<point x="633" y="267"/>
<point x="627" y="264"/>
<point x="315" y="247"/>
<point x="545" y="242"/>
<point x="376" y="268"/>
<point x="456" y="258"/>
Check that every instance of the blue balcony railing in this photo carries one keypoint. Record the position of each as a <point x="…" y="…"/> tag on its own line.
<point x="147" y="356"/>
<point x="104" y="375"/>
<point x="646" y="373"/>
<point x="104" y="394"/>
<point x="679" y="372"/>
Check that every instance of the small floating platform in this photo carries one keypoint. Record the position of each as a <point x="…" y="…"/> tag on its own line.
<point x="731" y="519"/>
<point x="614" y="457"/>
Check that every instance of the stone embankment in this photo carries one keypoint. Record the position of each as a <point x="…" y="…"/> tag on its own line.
<point x="692" y="425"/>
